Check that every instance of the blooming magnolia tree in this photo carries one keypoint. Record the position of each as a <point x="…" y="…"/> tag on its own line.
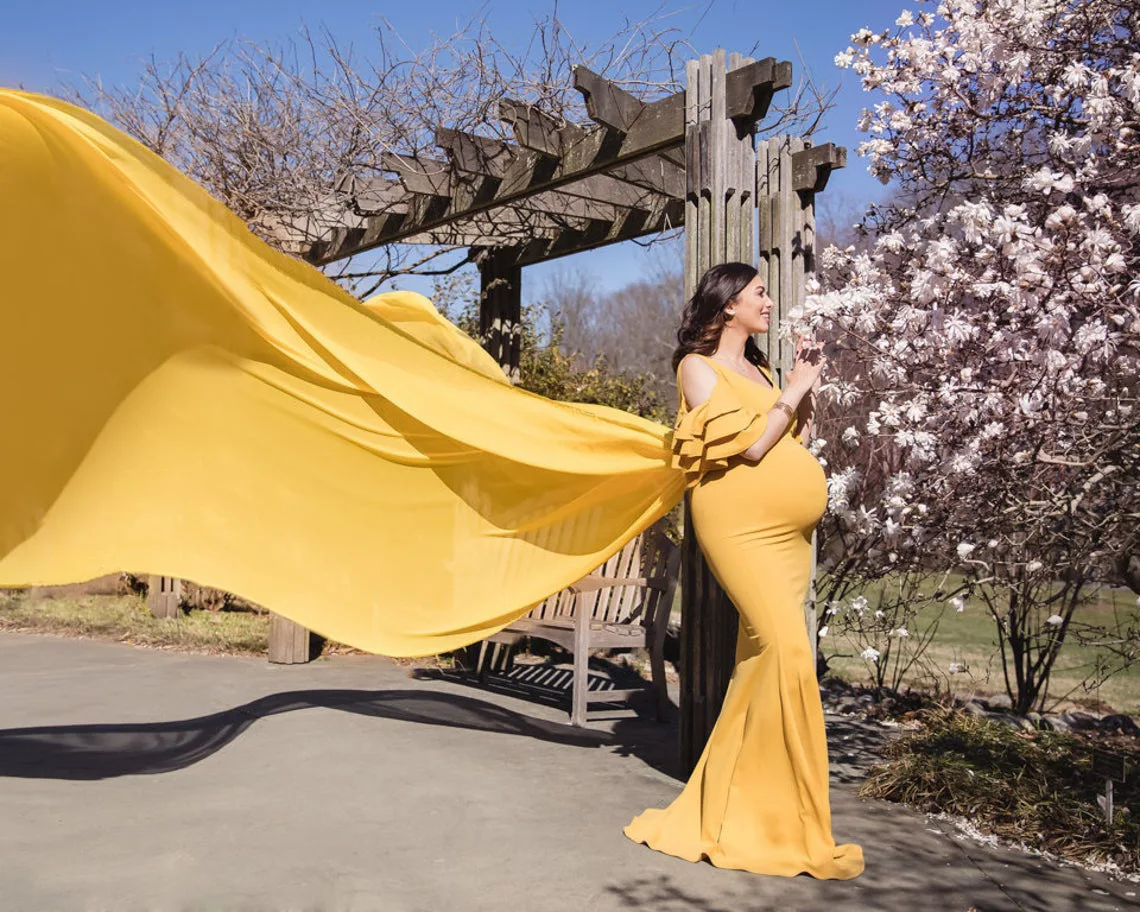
<point x="990" y="327"/>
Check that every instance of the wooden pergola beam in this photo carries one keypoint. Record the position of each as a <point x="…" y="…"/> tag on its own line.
<point x="635" y="224"/>
<point x="812" y="167"/>
<point x="554" y="157"/>
<point x="656" y="174"/>
<point x="662" y="173"/>
<point x="534" y="128"/>
<point x="614" y="107"/>
<point x="545" y="216"/>
<point x="749" y="88"/>
<point x="529" y="173"/>
<point x="477" y="154"/>
<point x="589" y="199"/>
<point x="421" y="176"/>
<point x="482" y="236"/>
<point x="748" y="94"/>
<point x="431" y="205"/>
<point x="495" y="156"/>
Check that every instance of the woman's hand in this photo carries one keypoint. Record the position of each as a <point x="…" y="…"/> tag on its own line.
<point x="807" y="367"/>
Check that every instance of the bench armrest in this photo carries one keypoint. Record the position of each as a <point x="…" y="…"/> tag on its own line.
<point x="593" y="583"/>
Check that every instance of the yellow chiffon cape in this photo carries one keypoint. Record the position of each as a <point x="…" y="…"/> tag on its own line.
<point x="178" y="398"/>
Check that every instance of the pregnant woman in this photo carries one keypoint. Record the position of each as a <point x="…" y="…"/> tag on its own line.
<point x="367" y="470"/>
<point x="758" y="798"/>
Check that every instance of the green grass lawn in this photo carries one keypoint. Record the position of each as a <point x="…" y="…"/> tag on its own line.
<point x="969" y="638"/>
<point x="126" y="618"/>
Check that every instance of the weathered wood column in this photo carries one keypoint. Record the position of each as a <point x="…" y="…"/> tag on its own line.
<point x="719" y="228"/>
<point x="500" y="306"/>
<point x="163" y="594"/>
<point x="289" y="642"/>
<point x="789" y="173"/>
<point x="727" y="183"/>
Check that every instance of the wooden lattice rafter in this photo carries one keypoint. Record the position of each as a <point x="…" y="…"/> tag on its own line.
<point x="560" y="188"/>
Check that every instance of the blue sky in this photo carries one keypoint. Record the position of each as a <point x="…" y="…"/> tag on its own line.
<point x="45" y="44"/>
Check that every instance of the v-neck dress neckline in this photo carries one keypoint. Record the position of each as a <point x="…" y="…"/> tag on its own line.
<point x="769" y="387"/>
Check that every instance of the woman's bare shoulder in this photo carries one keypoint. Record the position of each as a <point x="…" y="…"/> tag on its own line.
<point x="697" y="378"/>
<point x="694" y="365"/>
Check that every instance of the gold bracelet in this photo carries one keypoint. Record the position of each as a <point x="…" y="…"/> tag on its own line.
<point x="786" y="409"/>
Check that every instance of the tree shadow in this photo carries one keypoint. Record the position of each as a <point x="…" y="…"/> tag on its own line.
<point x="111" y="750"/>
<point x="854" y="746"/>
<point x="907" y="869"/>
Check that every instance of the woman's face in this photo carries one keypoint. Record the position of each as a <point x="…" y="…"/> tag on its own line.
<point x="750" y="309"/>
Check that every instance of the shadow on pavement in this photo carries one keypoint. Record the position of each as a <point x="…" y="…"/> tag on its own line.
<point x="636" y="732"/>
<point x="911" y="864"/>
<point x="900" y="877"/>
<point x="854" y="746"/>
<point x="106" y="751"/>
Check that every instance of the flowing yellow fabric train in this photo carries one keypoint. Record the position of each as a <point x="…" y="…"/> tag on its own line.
<point x="178" y="398"/>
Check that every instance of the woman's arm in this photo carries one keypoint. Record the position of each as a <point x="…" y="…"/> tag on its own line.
<point x="805" y="415"/>
<point x="778" y="420"/>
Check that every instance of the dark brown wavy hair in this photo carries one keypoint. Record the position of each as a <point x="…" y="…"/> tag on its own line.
<point x="704" y="318"/>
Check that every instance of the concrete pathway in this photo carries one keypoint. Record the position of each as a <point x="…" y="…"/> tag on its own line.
<point x="136" y="779"/>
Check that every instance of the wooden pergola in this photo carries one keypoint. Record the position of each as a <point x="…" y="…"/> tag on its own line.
<point x="638" y="168"/>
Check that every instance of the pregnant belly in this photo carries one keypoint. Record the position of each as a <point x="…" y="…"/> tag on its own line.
<point x="783" y="493"/>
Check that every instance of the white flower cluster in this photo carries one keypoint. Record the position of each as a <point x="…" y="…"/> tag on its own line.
<point x="996" y="315"/>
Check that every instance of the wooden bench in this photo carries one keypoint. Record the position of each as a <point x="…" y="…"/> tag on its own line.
<point x="624" y="604"/>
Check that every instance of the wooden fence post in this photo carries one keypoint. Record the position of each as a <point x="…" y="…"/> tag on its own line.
<point x="288" y="641"/>
<point x="163" y="596"/>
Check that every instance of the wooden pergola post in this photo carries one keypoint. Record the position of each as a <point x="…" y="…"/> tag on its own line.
<point x="500" y="307"/>
<point x="719" y="228"/>
<point x="728" y="181"/>
<point x="289" y="642"/>
<point x="790" y="171"/>
<point x="500" y="329"/>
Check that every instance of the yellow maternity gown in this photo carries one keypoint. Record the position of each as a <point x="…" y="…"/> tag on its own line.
<point x="758" y="798"/>
<point x="177" y="398"/>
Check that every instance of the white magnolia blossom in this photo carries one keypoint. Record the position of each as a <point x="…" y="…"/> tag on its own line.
<point x="989" y="312"/>
<point x="1054" y="620"/>
<point x="900" y="632"/>
<point x="841" y="485"/>
<point x="915" y="297"/>
<point x="870" y="654"/>
<point x="958" y="603"/>
<point x="956" y="668"/>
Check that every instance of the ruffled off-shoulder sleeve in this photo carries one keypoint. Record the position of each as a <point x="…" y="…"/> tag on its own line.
<point x="707" y="437"/>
